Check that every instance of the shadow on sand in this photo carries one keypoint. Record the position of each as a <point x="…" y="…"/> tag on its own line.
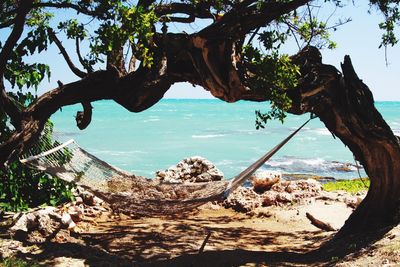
<point x="176" y="242"/>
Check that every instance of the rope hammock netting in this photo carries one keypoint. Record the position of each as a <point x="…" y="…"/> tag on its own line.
<point x="124" y="191"/>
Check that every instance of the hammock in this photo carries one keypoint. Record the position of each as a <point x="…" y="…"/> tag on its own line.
<point x="131" y="194"/>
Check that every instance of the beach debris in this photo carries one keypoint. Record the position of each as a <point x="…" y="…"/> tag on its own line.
<point x="38" y="224"/>
<point x="353" y="201"/>
<point x="195" y="169"/>
<point x="264" y="180"/>
<point x="320" y="224"/>
<point x="203" y="245"/>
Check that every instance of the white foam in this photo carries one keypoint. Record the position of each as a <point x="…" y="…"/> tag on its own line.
<point x="117" y="153"/>
<point x="150" y="120"/>
<point x="273" y="163"/>
<point x="208" y="136"/>
<point x="321" y="131"/>
<point x="313" y="162"/>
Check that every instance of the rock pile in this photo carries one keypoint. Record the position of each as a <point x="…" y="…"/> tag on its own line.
<point x="247" y="199"/>
<point x="191" y="170"/>
<point x="350" y="200"/>
<point x="39" y="224"/>
<point x="291" y="191"/>
<point x="243" y="199"/>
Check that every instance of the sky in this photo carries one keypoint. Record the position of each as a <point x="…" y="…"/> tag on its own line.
<point x="359" y="38"/>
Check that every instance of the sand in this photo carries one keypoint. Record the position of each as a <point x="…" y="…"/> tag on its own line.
<point x="277" y="236"/>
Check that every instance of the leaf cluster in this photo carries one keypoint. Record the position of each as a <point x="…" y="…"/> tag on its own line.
<point x="19" y="71"/>
<point x="391" y="13"/>
<point x="116" y="25"/>
<point x="268" y="68"/>
<point x="274" y="74"/>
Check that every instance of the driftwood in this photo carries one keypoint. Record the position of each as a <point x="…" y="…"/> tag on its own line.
<point x="320" y="224"/>
<point x="204" y="243"/>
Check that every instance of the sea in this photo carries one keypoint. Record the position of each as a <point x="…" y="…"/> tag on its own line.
<point x="224" y="133"/>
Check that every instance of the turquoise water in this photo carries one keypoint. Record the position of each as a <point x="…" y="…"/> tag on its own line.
<point x="223" y="133"/>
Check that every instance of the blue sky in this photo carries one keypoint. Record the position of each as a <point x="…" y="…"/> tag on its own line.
<point x="359" y="38"/>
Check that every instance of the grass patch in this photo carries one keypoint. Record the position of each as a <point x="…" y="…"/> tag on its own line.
<point x="14" y="262"/>
<point x="350" y="186"/>
<point x="393" y="248"/>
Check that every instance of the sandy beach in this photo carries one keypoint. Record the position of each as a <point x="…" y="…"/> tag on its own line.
<point x="277" y="235"/>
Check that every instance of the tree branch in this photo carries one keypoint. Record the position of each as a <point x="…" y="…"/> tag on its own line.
<point x="71" y="65"/>
<point x="145" y="3"/>
<point x="132" y="64"/>
<point x="8" y="104"/>
<point x="239" y="22"/>
<point x="83" y="118"/>
<point x="67" y="4"/>
<point x="10" y="107"/>
<point x="15" y="34"/>
<point x="87" y="67"/>
<point x="7" y="23"/>
<point x="198" y="11"/>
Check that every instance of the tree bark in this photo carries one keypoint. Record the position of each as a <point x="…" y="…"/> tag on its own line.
<point x="346" y="106"/>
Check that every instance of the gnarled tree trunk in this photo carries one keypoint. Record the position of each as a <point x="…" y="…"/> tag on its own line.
<point x="346" y="106"/>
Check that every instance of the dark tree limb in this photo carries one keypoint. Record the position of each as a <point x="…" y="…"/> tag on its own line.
<point x="7" y="103"/>
<point x="7" y="23"/>
<point x="64" y="53"/>
<point x="67" y="4"/>
<point x="200" y="10"/>
<point x="115" y="59"/>
<point x="346" y="106"/>
<point x="238" y="22"/>
<point x="132" y="64"/>
<point x="83" y="118"/>
<point x="18" y="28"/>
<point x="87" y="67"/>
<point x="10" y="107"/>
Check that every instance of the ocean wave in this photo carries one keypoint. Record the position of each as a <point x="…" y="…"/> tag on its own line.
<point x="313" y="165"/>
<point x="236" y="164"/>
<point x="117" y="153"/>
<point x="396" y="131"/>
<point x="150" y="120"/>
<point x="308" y="138"/>
<point x="321" y="131"/>
<point x="207" y="136"/>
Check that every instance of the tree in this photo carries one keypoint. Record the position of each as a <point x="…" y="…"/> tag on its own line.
<point x="220" y="57"/>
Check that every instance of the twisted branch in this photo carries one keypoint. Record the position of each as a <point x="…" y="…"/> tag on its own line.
<point x="64" y="53"/>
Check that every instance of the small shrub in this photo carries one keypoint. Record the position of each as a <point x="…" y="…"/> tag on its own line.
<point x="14" y="262"/>
<point x="334" y="259"/>
<point x="21" y="187"/>
<point x="350" y="186"/>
